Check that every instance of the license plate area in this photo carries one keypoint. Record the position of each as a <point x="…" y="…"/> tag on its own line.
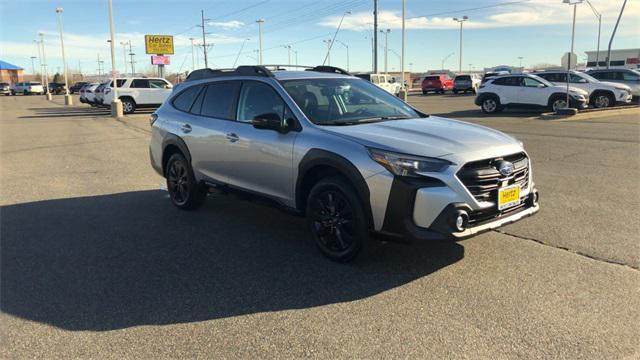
<point x="508" y="196"/>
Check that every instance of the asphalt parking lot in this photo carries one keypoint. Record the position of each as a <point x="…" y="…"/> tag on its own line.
<point x="96" y="263"/>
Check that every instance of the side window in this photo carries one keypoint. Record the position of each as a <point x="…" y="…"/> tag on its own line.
<point x="218" y="99"/>
<point x="185" y="99"/>
<point x="140" y="83"/>
<point x="628" y="76"/>
<point x="599" y="75"/>
<point x="157" y="84"/>
<point x="508" y="81"/>
<point x="575" y="79"/>
<point x="374" y="79"/>
<point x="529" y="82"/>
<point x="256" y="99"/>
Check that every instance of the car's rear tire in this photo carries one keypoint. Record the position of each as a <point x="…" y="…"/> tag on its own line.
<point x="128" y="105"/>
<point x="336" y="219"/>
<point x="490" y="105"/>
<point x="185" y="192"/>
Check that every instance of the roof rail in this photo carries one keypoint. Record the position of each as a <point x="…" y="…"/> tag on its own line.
<point x="329" y="69"/>
<point x="207" y="73"/>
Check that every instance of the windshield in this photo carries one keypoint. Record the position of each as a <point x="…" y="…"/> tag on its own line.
<point x="544" y="81"/>
<point x="340" y="101"/>
<point x="588" y="77"/>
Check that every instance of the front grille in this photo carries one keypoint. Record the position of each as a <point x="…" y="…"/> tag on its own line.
<point x="483" y="180"/>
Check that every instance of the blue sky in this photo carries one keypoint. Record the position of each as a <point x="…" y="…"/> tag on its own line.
<point x="537" y="30"/>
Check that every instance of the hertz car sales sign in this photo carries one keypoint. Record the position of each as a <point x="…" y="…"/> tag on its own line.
<point x="158" y="44"/>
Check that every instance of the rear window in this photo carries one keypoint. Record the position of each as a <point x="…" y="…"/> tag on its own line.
<point x="185" y="99"/>
<point x="34" y="83"/>
<point x="432" y="77"/>
<point x="463" y="77"/>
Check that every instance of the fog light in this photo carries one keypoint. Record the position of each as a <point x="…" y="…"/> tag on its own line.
<point x="461" y="220"/>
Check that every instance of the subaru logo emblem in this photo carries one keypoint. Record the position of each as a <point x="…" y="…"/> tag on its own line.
<point x="505" y="168"/>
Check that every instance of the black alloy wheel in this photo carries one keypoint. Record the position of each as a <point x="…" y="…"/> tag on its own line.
<point x="183" y="189"/>
<point x="336" y="219"/>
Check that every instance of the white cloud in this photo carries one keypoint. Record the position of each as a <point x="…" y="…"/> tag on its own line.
<point x="531" y="13"/>
<point x="227" y="25"/>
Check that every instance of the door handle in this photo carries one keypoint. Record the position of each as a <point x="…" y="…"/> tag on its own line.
<point x="186" y="128"/>
<point x="232" y="137"/>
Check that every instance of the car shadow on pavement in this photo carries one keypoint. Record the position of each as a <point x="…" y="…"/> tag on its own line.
<point x="114" y="261"/>
<point x="79" y="111"/>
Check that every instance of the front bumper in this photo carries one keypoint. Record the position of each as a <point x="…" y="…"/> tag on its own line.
<point x="578" y="104"/>
<point x="426" y="209"/>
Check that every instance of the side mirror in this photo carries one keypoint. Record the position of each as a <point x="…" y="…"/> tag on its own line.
<point x="268" y="121"/>
<point x="168" y="87"/>
<point x="541" y="86"/>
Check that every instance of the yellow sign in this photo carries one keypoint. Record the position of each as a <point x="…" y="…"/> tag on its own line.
<point x="158" y="44"/>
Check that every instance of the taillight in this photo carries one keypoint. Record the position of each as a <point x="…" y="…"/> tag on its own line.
<point x="153" y="118"/>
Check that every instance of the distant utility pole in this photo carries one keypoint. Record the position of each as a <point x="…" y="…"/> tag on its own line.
<point x="33" y="65"/>
<point x="288" y="47"/>
<point x="386" y="48"/>
<point x="204" y="38"/>
<point x="131" y="54"/>
<point x="599" y="17"/>
<point x="46" y="72"/>
<point x="461" y="21"/>
<point x="375" y="36"/>
<point x="260" y="22"/>
<point x="39" y="60"/>
<point x="240" y="52"/>
<point x="346" y="47"/>
<point x="99" y="67"/>
<point x="520" y="58"/>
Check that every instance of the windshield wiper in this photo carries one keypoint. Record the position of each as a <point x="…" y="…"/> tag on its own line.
<point x="364" y="121"/>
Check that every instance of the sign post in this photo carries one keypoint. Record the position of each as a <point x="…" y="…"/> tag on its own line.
<point x="158" y="46"/>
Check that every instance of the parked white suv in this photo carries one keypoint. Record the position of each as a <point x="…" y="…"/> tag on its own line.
<point x="27" y="88"/>
<point x="138" y="93"/>
<point x="383" y="81"/>
<point x="601" y="94"/>
<point x="527" y="91"/>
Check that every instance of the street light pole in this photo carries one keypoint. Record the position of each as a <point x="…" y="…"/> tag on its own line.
<point x="464" y="18"/>
<point x="116" y="104"/>
<point x="260" y="22"/>
<point x="333" y="40"/>
<point x="193" y="56"/>
<point x="386" y="48"/>
<point x="240" y="52"/>
<point x="375" y="36"/>
<point x="33" y="66"/>
<point x="615" y="28"/>
<point x="346" y="47"/>
<point x="403" y="88"/>
<point x="573" y="32"/>
<point x="67" y="97"/>
<point x="445" y="59"/>
<point x="39" y="61"/>
<point x="131" y="55"/>
<point x="520" y="58"/>
<point x="599" y="17"/>
<point x="46" y="72"/>
<point x="124" y="56"/>
<point x="328" y="57"/>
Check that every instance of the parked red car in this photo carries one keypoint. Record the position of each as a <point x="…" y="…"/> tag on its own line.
<point x="438" y="83"/>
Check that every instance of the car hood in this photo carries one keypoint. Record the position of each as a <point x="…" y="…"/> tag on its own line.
<point x="432" y="136"/>
<point x="616" y="85"/>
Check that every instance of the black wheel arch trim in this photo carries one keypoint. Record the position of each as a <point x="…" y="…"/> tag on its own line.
<point x="318" y="157"/>
<point x="174" y="140"/>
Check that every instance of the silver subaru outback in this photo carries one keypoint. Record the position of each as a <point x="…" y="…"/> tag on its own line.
<point x="359" y="163"/>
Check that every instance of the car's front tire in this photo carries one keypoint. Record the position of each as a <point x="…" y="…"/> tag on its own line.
<point x="336" y="218"/>
<point x="185" y="192"/>
<point x="601" y="100"/>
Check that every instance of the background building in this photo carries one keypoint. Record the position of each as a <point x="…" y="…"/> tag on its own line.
<point x="622" y="58"/>
<point x="10" y="73"/>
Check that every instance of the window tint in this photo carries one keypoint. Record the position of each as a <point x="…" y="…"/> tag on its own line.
<point x="628" y="76"/>
<point x="603" y="75"/>
<point x="157" y="84"/>
<point x="218" y="100"/>
<point x="140" y="83"/>
<point x="184" y="100"/>
<point x="463" y="77"/>
<point x="256" y="99"/>
<point x="120" y="82"/>
<point x="197" y="105"/>
<point x="507" y="81"/>
<point x="576" y="79"/>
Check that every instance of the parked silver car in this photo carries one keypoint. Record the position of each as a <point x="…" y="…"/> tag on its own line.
<point x="627" y="77"/>
<point x="357" y="161"/>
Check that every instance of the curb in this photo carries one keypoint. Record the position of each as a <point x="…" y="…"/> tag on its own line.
<point x="591" y="113"/>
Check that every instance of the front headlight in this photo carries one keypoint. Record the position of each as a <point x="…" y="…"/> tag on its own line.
<point x="407" y="165"/>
